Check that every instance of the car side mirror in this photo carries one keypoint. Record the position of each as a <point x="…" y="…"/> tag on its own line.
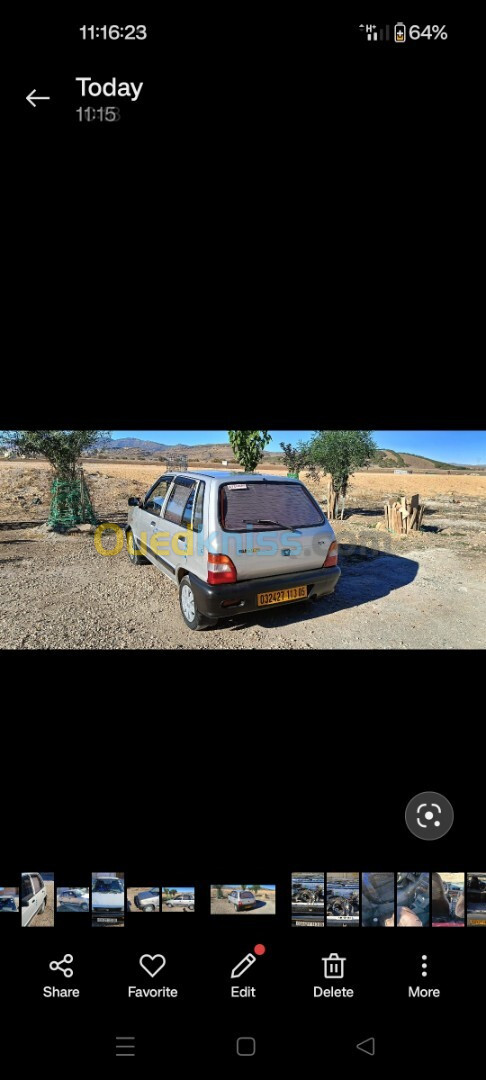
<point x="133" y="501"/>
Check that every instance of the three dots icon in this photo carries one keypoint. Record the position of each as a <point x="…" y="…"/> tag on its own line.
<point x="424" y="966"/>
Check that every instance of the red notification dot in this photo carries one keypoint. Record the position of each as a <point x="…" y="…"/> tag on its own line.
<point x="259" y="950"/>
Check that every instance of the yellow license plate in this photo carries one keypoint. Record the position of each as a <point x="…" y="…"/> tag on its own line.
<point x="281" y="596"/>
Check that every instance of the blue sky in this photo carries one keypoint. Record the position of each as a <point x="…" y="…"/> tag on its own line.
<point x="180" y="888"/>
<point x="239" y="886"/>
<point x="461" y="447"/>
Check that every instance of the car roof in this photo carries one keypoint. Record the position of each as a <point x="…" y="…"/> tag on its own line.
<point x="224" y="474"/>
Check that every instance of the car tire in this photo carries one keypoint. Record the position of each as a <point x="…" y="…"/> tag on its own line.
<point x="149" y="907"/>
<point x="189" y="611"/>
<point x="135" y="558"/>
<point x="84" y="907"/>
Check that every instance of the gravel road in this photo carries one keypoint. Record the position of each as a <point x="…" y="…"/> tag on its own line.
<point x="262" y="907"/>
<point x="423" y="591"/>
<point x="60" y="593"/>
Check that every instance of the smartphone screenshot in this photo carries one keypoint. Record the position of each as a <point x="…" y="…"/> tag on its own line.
<point x="236" y="649"/>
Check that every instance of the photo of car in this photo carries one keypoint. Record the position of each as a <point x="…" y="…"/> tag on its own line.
<point x="144" y="899"/>
<point x="178" y="898"/>
<point x="75" y="899"/>
<point x="37" y="899"/>
<point x="290" y="556"/>
<point x="448" y="898"/>
<point x="9" y="898"/>
<point x="342" y="898"/>
<point x="242" y="899"/>
<point x="308" y="899"/>
<point x="476" y="898"/>
<point x="108" y="899"/>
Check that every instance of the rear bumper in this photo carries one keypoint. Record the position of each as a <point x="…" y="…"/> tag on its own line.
<point x="224" y="601"/>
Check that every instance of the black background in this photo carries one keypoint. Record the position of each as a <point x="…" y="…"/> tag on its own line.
<point x="195" y="800"/>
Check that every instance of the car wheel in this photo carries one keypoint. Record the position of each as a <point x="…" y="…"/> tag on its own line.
<point x="133" y="555"/>
<point x="192" y="617"/>
<point x="149" y="907"/>
<point x="236" y="907"/>
<point x="84" y="907"/>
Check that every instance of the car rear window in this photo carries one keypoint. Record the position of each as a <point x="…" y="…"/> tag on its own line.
<point x="247" y="895"/>
<point x="267" y="505"/>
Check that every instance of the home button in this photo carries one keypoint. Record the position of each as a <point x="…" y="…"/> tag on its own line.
<point x="246" y="1046"/>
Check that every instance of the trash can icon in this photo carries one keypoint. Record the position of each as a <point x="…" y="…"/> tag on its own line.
<point x="334" y="966"/>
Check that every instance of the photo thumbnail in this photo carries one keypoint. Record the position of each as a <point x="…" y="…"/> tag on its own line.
<point x="9" y="898"/>
<point x="107" y="899"/>
<point x="413" y="898"/>
<point x="237" y="899"/>
<point x="448" y="899"/>
<point x="178" y="897"/>
<point x="72" y="899"/>
<point x="377" y="898"/>
<point x="342" y="899"/>
<point x="476" y="899"/>
<point x="308" y="899"/>
<point x="37" y="898"/>
<point x="143" y="898"/>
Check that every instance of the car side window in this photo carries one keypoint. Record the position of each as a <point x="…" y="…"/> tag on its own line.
<point x="27" y="890"/>
<point x="156" y="497"/>
<point x="36" y="883"/>
<point x="178" y="499"/>
<point x="188" y="520"/>
<point x="198" y="512"/>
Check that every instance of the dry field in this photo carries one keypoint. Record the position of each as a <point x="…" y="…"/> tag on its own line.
<point x="424" y="590"/>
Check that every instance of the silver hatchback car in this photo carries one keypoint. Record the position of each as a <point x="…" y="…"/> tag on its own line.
<point x="233" y="542"/>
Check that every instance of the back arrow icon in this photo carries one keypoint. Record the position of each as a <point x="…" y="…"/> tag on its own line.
<point x="32" y="100"/>
<point x="367" y="1046"/>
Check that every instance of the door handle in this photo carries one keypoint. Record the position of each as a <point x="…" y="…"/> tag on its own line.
<point x="152" y="523"/>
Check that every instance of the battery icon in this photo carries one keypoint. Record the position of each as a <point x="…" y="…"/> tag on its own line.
<point x="400" y="32"/>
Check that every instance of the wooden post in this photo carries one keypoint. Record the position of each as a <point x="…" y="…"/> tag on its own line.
<point x="404" y="515"/>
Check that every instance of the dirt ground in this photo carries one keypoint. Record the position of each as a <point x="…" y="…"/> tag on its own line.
<point x="426" y="590"/>
<point x="132" y="893"/>
<point x="265" y="905"/>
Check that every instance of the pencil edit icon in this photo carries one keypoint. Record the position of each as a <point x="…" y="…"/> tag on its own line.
<point x="247" y="961"/>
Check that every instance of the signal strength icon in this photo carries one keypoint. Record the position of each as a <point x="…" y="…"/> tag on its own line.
<point x="374" y="32"/>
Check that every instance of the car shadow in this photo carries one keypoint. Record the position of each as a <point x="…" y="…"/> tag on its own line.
<point x="367" y="574"/>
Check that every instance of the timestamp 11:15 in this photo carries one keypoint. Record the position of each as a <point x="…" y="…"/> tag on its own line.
<point x="110" y="113"/>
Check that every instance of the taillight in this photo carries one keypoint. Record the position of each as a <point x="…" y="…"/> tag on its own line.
<point x="332" y="555"/>
<point x="220" y="569"/>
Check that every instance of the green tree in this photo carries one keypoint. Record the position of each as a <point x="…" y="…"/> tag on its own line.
<point x="295" y="457"/>
<point x="339" y="453"/>
<point x="220" y="891"/>
<point x="71" y="504"/>
<point x="243" y="887"/>
<point x="255" y="888"/>
<point x="248" y="447"/>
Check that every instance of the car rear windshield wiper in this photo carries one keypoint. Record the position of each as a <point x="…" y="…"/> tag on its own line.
<point x="267" y="521"/>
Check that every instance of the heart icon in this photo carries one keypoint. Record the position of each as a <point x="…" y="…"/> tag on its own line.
<point x="153" y="960"/>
